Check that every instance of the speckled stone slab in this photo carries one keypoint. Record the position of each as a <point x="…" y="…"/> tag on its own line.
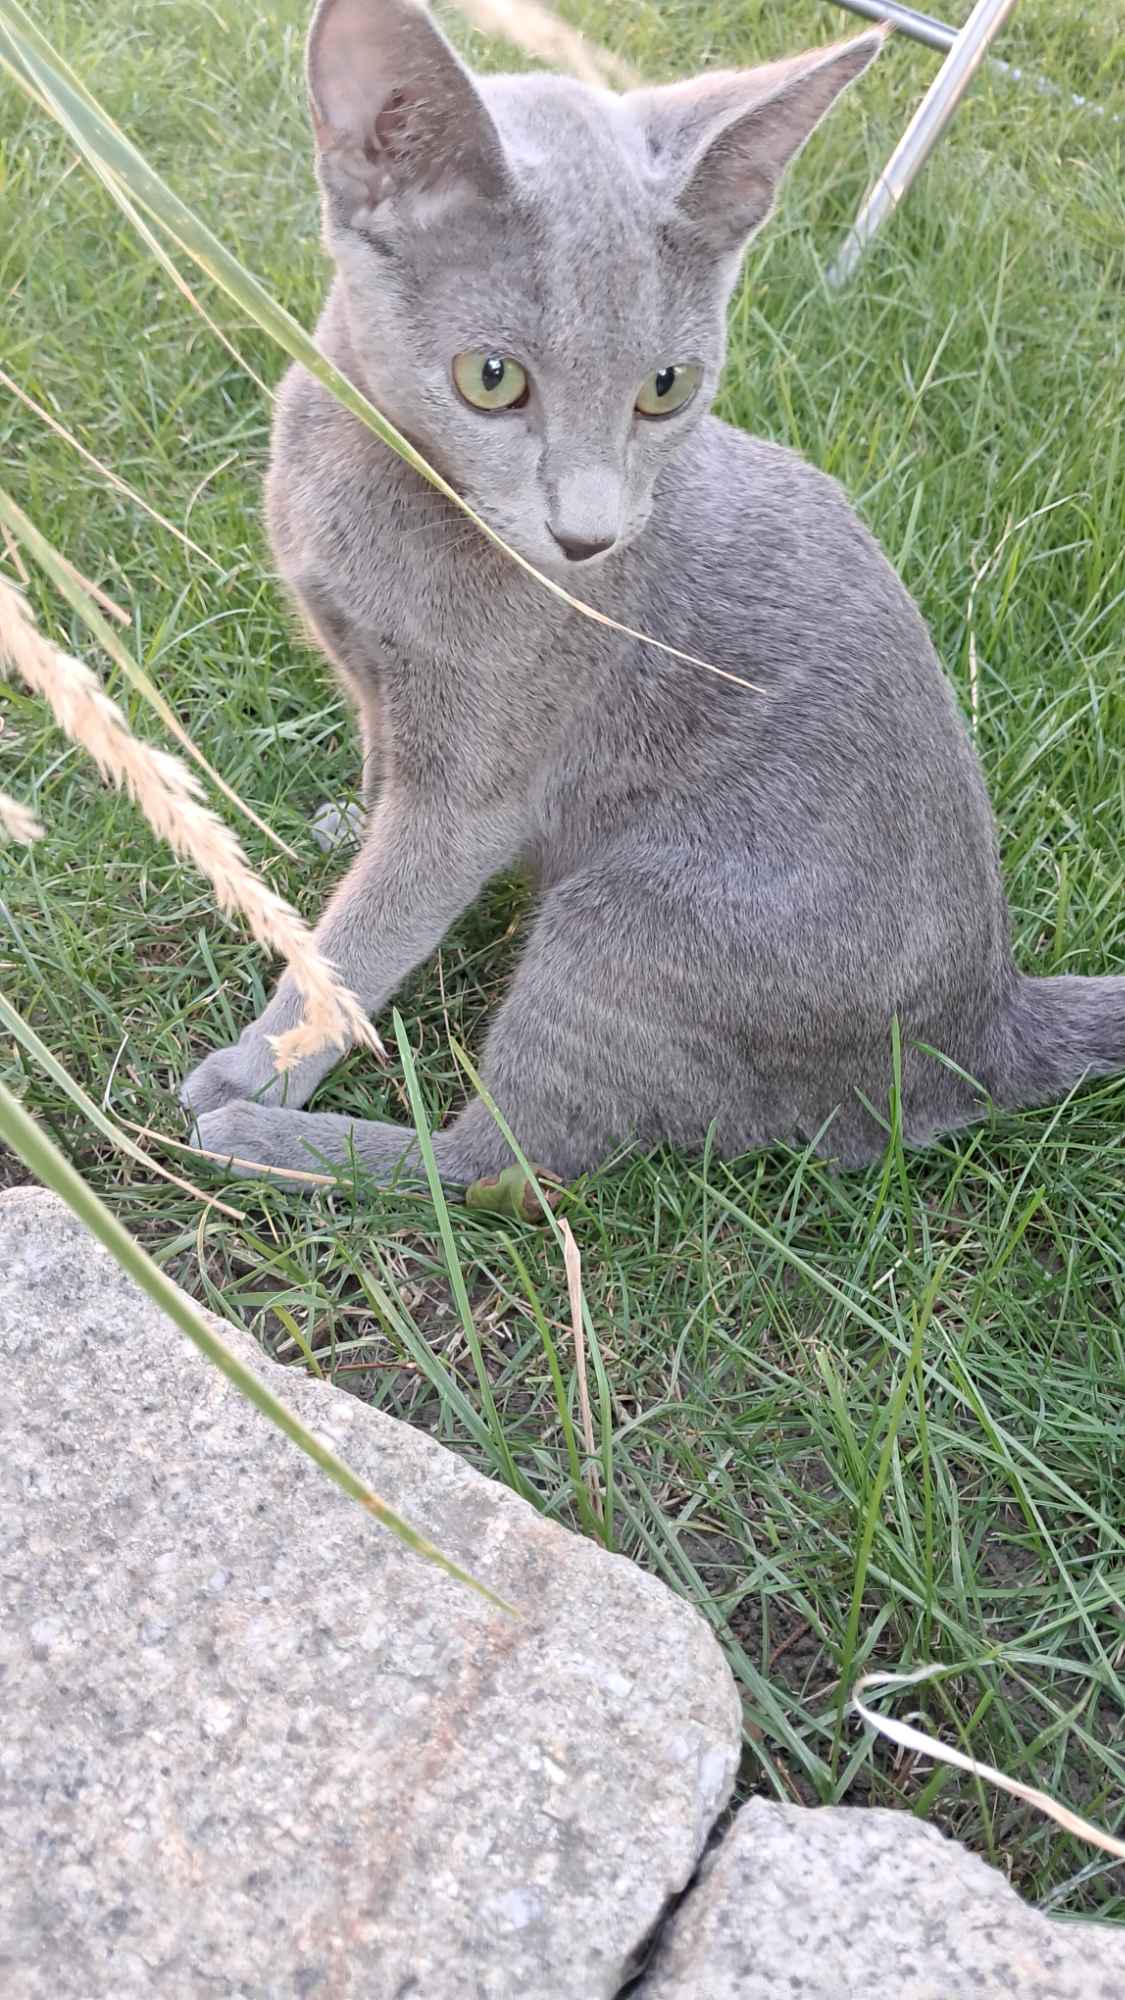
<point x="861" y="1904"/>
<point x="251" y="1747"/>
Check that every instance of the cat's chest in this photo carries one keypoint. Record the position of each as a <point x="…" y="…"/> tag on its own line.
<point x="442" y="633"/>
<point x="424" y="579"/>
<point x="416" y="604"/>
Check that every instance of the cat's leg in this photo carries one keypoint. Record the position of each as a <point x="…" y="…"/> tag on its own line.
<point x="575" y="1061"/>
<point x="265" y="1141"/>
<point x="418" y="868"/>
<point x="338" y="824"/>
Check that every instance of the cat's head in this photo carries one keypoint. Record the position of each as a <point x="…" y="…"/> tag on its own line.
<point x="537" y="272"/>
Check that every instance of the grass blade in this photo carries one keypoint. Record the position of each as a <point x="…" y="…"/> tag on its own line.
<point x="23" y="1033"/>
<point x="872" y="1510"/>
<point x="379" y="1293"/>
<point x="498" y="1440"/>
<point x="589" y="1519"/>
<point x="106" y="472"/>
<point x="465" y="1062"/>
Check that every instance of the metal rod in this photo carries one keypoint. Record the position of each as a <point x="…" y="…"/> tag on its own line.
<point x="920" y="27"/>
<point x="923" y="131"/>
<point x="934" y="34"/>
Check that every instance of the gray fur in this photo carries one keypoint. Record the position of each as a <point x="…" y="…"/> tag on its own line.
<point x="738" y="890"/>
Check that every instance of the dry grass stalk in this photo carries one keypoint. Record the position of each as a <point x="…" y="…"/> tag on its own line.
<point x="259" y="1168"/>
<point x="529" y="26"/>
<point x="925" y="1745"/>
<point x="572" y="1257"/>
<point x="79" y="594"/>
<point x="82" y="582"/>
<point x="94" y="590"/>
<point x="107" y="472"/>
<point x="17" y="823"/>
<point x="170" y="796"/>
<point x="12" y="549"/>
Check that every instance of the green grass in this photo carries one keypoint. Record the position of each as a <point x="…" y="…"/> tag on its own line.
<point x="861" y="1420"/>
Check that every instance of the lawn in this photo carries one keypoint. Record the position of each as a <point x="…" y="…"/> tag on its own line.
<point x="864" y="1420"/>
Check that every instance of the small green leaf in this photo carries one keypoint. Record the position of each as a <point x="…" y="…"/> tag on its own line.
<point x="510" y="1193"/>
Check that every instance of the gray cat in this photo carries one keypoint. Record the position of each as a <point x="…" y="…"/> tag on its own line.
<point x="738" y="889"/>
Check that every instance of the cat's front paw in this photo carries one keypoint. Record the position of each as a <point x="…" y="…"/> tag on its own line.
<point x="233" y="1133"/>
<point x="244" y="1070"/>
<point x="261" y="1142"/>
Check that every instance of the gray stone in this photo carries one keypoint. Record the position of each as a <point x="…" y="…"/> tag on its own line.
<point x="849" y="1903"/>
<point x="334" y="826"/>
<point x="251" y="1747"/>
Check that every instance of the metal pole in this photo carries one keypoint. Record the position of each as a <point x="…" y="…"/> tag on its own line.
<point x="924" y="130"/>
<point x="939" y="35"/>
<point x="920" y="27"/>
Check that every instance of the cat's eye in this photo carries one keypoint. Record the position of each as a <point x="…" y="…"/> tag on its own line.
<point x="490" y="381"/>
<point x="669" y="390"/>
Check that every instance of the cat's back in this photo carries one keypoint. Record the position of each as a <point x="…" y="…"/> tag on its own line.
<point x="773" y="555"/>
<point x="757" y="562"/>
<point x="760" y="563"/>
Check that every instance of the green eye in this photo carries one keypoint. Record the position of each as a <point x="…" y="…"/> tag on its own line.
<point x="670" y="389"/>
<point x="490" y="381"/>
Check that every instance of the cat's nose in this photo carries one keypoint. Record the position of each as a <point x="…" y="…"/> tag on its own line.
<point x="577" y="550"/>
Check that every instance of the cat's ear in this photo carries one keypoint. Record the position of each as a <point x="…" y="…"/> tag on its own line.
<point x="727" y="139"/>
<point x="394" y="110"/>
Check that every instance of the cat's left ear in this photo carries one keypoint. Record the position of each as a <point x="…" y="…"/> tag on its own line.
<point x="394" y="111"/>
<point x="726" y="140"/>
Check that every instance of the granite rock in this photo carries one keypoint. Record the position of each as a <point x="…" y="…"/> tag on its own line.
<point x="252" y="1747"/>
<point x="845" y="1903"/>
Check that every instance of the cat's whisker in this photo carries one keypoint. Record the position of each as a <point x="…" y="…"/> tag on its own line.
<point x="457" y="528"/>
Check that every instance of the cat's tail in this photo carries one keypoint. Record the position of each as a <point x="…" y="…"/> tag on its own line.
<point x="1060" y="1031"/>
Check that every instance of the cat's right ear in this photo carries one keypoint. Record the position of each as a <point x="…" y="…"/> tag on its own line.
<point x="725" y="140"/>
<point x="394" y="112"/>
